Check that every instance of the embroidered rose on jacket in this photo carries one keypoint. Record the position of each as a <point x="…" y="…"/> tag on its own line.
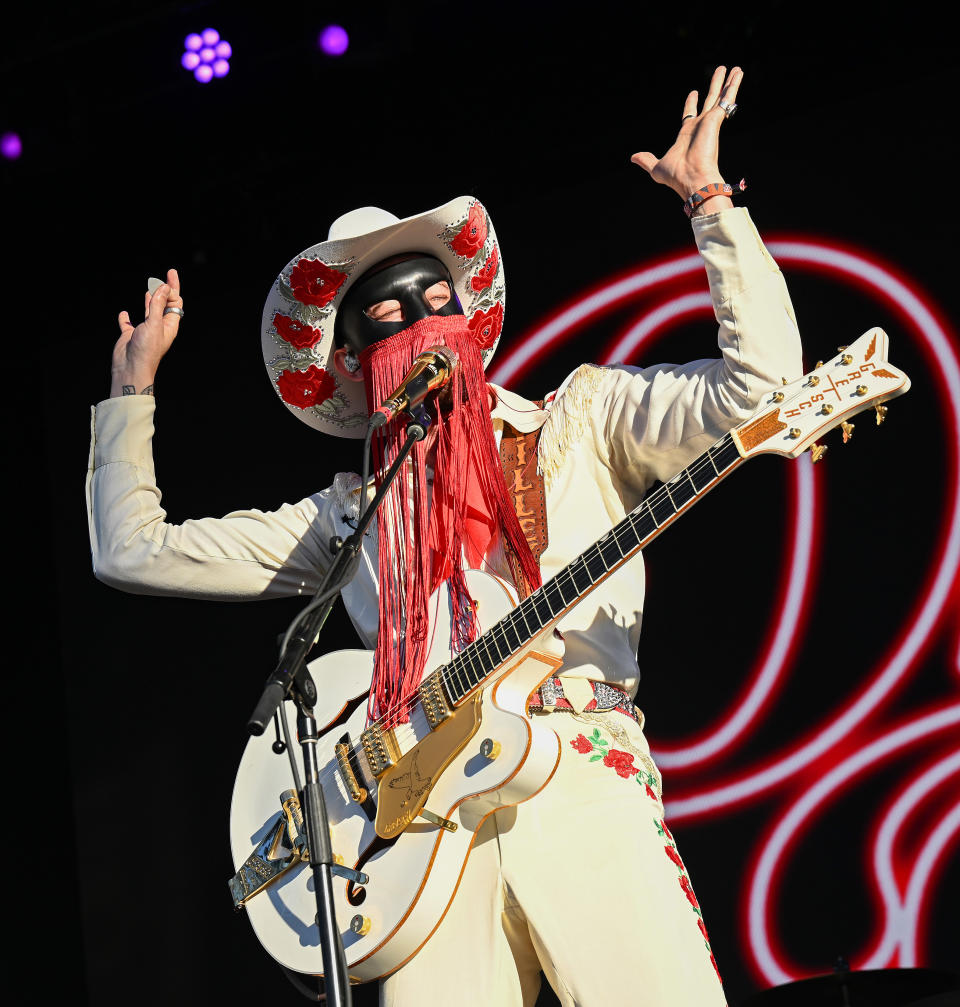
<point x="622" y="762"/>
<point x="304" y="389"/>
<point x="297" y="334"/>
<point x="486" y="326"/>
<point x="488" y="271"/>
<point x="582" y="744"/>
<point x="651" y="793"/>
<point x="472" y="235"/>
<point x="314" y="282"/>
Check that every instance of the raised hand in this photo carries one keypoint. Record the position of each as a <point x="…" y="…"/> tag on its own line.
<point x="692" y="161"/>
<point x="139" y="350"/>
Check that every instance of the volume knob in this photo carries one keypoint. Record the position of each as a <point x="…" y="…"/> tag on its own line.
<point x="360" y="925"/>
<point x="489" y="748"/>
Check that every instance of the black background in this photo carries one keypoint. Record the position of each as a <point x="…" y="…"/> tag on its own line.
<point x="846" y="131"/>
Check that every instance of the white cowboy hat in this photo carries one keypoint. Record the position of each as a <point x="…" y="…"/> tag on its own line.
<point x="301" y="308"/>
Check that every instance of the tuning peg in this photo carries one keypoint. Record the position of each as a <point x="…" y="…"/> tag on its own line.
<point x="818" y="365"/>
<point x="817" y="451"/>
<point x="847" y="429"/>
<point x="840" y="349"/>
<point x="881" y="413"/>
<point x="846" y="359"/>
<point x="783" y="381"/>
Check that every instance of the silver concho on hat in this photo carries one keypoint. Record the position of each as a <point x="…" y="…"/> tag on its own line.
<point x="301" y="308"/>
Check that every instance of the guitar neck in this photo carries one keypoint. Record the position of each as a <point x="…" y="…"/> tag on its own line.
<point x="469" y="669"/>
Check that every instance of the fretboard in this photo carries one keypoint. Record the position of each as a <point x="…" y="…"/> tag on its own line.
<point x="469" y="669"/>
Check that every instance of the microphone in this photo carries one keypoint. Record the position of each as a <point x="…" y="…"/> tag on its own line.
<point x="430" y="371"/>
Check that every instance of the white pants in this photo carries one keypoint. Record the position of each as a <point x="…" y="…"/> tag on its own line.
<point x="583" y="882"/>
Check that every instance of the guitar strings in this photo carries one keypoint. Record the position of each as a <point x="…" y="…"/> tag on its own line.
<point x="565" y="578"/>
<point x="396" y="719"/>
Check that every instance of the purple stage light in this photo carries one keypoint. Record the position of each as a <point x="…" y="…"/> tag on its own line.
<point x="207" y="55"/>
<point x="333" y="40"/>
<point x="10" y="146"/>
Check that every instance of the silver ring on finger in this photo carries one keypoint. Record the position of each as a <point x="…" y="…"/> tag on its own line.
<point x="689" y="115"/>
<point x="173" y="311"/>
<point x="728" y="107"/>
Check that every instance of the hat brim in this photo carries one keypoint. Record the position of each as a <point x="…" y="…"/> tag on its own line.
<point x="300" y="312"/>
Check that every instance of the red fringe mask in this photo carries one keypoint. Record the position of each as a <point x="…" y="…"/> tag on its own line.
<point x="469" y="505"/>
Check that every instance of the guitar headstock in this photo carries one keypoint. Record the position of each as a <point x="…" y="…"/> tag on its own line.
<point x="791" y="418"/>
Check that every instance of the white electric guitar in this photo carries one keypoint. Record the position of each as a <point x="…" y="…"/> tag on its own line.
<point x="405" y="802"/>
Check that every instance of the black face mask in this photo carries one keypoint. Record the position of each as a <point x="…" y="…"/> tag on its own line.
<point x="406" y="282"/>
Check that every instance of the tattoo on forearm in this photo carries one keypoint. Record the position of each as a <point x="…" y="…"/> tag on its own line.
<point x="131" y="390"/>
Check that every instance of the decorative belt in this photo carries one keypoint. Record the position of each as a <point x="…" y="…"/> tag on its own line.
<point x="606" y="697"/>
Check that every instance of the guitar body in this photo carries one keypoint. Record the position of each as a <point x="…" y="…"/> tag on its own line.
<point x="413" y="876"/>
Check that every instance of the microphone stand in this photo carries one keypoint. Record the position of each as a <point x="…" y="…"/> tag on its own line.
<point x="292" y="679"/>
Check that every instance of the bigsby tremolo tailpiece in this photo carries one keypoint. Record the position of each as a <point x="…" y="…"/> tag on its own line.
<point x="283" y="848"/>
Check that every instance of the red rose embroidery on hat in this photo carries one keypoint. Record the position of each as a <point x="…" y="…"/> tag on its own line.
<point x="314" y="282"/>
<point x="297" y="334"/>
<point x="486" y="326"/>
<point x="622" y="762"/>
<point x="473" y="233"/>
<point x="485" y="277"/>
<point x="306" y="388"/>
<point x="582" y="745"/>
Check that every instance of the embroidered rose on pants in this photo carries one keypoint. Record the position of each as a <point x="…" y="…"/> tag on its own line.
<point x="613" y="758"/>
<point x="622" y="762"/>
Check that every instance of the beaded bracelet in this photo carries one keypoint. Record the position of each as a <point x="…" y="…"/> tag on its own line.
<point x="708" y="192"/>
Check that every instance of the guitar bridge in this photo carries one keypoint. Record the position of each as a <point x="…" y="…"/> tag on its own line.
<point x="349" y="766"/>
<point x="357" y="793"/>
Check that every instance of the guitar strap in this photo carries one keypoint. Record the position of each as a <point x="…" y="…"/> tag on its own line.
<point x="518" y="455"/>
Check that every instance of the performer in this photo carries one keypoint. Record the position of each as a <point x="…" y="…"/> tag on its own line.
<point x="583" y="881"/>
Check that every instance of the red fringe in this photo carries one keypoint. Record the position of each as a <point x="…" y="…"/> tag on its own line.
<point x="467" y="477"/>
